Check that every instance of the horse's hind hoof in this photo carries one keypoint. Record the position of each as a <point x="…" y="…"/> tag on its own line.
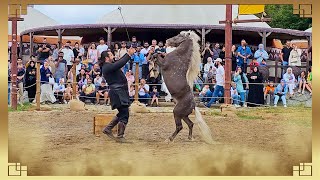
<point x="168" y="141"/>
<point x="191" y="138"/>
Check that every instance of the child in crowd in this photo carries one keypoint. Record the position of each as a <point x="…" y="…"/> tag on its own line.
<point x="234" y="95"/>
<point x="263" y="63"/>
<point x="269" y="93"/>
<point x="68" y="93"/>
<point x="155" y="95"/>
<point x="132" y="92"/>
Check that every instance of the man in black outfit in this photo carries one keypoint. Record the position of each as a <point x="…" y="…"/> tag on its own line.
<point x="119" y="93"/>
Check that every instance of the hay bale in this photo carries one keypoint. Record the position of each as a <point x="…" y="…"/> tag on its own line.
<point x="137" y="107"/>
<point x="76" y="105"/>
<point x="228" y="110"/>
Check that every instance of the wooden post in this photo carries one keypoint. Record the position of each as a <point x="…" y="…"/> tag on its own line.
<point x="74" y="81"/>
<point x="276" y="71"/>
<point x="264" y="36"/>
<point x="109" y="37"/>
<point x="203" y="38"/>
<point x="14" y="64"/>
<point x="136" y="96"/>
<point x="60" y="31"/>
<point x="31" y="43"/>
<point x="38" y="85"/>
<point x="21" y="46"/>
<point x="228" y="45"/>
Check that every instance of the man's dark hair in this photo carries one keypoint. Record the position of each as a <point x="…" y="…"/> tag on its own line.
<point x="134" y="37"/>
<point x="69" y="42"/>
<point x="102" y="59"/>
<point x="76" y="43"/>
<point x="101" y="38"/>
<point x="19" y="58"/>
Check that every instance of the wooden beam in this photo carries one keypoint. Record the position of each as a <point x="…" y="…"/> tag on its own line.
<point x="114" y="29"/>
<point x="31" y="43"/>
<point x="208" y="31"/>
<point x="247" y="21"/>
<point x="268" y="34"/>
<point x="15" y="18"/>
<point x="105" y="29"/>
<point x="203" y="38"/>
<point x="199" y="31"/>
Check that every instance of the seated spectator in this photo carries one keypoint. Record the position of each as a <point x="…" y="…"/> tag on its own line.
<point x="280" y="93"/>
<point x="130" y="78"/>
<point x="59" y="89"/>
<point x="95" y="71"/>
<point x="269" y="93"/>
<point x="68" y="93"/>
<point x="203" y="93"/>
<point x="235" y="95"/>
<point x="88" y="92"/>
<point x="132" y="92"/>
<point x="144" y="92"/>
<point x="81" y="77"/>
<point x="290" y="81"/>
<point x="302" y="80"/>
<point x="155" y="96"/>
<point x="78" y="65"/>
<point x="98" y="80"/>
<point x="309" y="78"/>
<point x="263" y="63"/>
<point x="102" y="92"/>
<point x="261" y="54"/>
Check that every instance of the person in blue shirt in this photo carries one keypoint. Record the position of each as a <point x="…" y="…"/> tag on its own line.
<point x="281" y="92"/>
<point x="244" y="53"/>
<point x="261" y="54"/>
<point x="138" y="57"/>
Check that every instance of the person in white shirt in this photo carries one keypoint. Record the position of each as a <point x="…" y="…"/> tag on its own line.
<point x="68" y="54"/>
<point x="144" y="91"/>
<point x="234" y="94"/>
<point x="145" y="66"/>
<point x="102" y="46"/>
<point x="59" y="89"/>
<point x="219" y="88"/>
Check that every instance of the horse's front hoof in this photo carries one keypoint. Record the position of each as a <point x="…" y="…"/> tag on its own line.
<point x="168" y="141"/>
<point x="191" y="138"/>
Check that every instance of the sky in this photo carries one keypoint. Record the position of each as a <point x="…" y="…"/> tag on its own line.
<point x="75" y="14"/>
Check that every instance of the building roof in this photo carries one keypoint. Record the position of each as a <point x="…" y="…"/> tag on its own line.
<point x="175" y="14"/>
<point x="33" y="19"/>
<point x="309" y="30"/>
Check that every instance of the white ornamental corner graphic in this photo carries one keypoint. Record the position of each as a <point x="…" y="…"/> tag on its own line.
<point x="16" y="169"/>
<point x="304" y="169"/>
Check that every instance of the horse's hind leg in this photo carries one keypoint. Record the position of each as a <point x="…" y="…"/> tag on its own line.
<point x="190" y="125"/>
<point x="178" y="127"/>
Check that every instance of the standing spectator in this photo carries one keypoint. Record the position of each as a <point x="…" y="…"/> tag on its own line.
<point x="255" y="97"/>
<point x="55" y="51"/>
<point x="88" y="92"/>
<point x="206" y="53"/>
<point x="302" y="80"/>
<point x="31" y="81"/>
<point x="138" y="57"/>
<point x="61" y="67"/>
<point x="59" y="89"/>
<point x="76" y="51"/>
<point x="116" y="51"/>
<point x="44" y="52"/>
<point x="234" y="95"/>
<point x="20" y="77"/>
<point x="222" y="54"/>
<point x="101" y="47"/>
<point x="145" y="65"/>
<point x="295" y="56"/>
<point x="269" y="93"/>
<point x="46" y="88"/>
<point x="155" y="96"/>
<point x="216" y="51"/>
<point x="102" y="92"/>
<point x="123" y="51"/>
<point x="244" y="53"/>
<point x="153" y="45"/>
<point x="290" y="81"/>
<point x="261" y="54"/>
<point x="160" y="49"/>
<point x="234" y="57"/>
<point x="220" y="77"/>
<point x="207" y="67"/>
<point x="92" y="55"/>
<point x="280" y="93"/>
<point x="241" y="79"/>
<point x="52" y="64"/>
<point x="144" y="92"/>
<point x="134" y="42"/>
<point x="285" y="54"/>
<point x="68" y="55"/>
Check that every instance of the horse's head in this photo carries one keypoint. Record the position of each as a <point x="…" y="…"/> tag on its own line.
<point x="177" y="40"/>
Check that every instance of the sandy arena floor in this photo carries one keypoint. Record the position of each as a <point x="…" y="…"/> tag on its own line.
<point x="255" y="142"/>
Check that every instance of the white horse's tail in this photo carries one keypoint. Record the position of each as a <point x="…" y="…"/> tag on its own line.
<point x="203" y="127"/>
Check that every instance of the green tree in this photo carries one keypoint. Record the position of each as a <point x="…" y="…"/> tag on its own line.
<point x="283" y="17"/>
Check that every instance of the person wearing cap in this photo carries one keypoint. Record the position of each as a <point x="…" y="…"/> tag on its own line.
<point x="102" y="92"/>
<point x="280" y="93"/>
<point x="118" y="93"/>
<point x="219" y="88"/>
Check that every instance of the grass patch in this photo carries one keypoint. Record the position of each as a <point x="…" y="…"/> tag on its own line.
<point x="214" y="113"/>
<point x="248" y="116"/>
<point x="25" y="107"/>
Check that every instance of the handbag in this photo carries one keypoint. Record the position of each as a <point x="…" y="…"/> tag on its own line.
<point x="51" y="80"/>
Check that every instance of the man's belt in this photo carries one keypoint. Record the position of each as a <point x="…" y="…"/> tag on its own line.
<point x="118" y="86"/>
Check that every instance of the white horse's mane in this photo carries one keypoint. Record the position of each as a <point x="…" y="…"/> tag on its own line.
<point x="194" y="66"/>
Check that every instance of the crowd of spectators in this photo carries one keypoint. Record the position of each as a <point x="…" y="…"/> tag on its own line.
<point x="248" y="88"/>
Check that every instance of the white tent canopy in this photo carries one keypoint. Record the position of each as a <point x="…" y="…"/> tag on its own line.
<point x="176" y="14"/>
<point x="309" y="30"/>
<point x="33" y="19"/>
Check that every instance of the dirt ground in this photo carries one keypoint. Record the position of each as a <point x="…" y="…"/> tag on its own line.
<point x="265" y="141"/>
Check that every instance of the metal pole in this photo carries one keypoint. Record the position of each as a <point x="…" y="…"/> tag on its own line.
<point x="228" y="55"/>
<point x="74" y="81"/>
<point x="14" y="64"/>
<point x="136" y="96"/>
<point x="38" y="85"/>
